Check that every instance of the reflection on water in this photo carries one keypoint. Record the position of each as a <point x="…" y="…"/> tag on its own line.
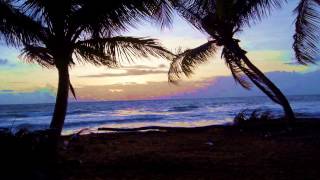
<point x="198" y="123"/>
<point x="132" y="112"/>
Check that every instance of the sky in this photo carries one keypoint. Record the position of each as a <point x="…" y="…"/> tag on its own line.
<point x="268" y="44"/>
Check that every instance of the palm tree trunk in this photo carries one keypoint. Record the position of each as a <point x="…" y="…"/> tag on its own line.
<point x="61" y="105"/>
<point x="283" y="101"/>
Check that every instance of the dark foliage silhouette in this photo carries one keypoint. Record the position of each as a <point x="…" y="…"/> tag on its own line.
<point x="307" y="32"/>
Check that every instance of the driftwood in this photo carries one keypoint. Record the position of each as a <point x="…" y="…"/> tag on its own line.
<point x="159" y="128"/>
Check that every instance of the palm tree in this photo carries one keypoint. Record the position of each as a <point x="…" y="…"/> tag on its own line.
<point x="59" y="34"/>
<point x="221" y="20"/>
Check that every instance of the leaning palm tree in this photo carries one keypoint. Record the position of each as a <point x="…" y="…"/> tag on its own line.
<point x="222" y="20"/>
<point x="59" y="34"/>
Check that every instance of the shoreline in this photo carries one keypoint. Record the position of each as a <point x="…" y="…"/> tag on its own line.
<point x="110" y="130"/>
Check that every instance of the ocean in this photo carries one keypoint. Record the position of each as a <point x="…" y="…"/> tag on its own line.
<point x="129" y="114"/>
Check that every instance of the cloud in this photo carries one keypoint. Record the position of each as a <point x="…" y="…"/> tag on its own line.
<point x="135" y="70"/>
<point x="162" y="66"/>
<point x="4" y="62"/>
<point x="16" y="82"/>
<point x="293" y="63"/>
<point x="7" y="91"/>
<point x="149" y="90"/>
<point x="145" y="67"/>
<point x="116" y="90"/>
<point x="42" y="95"/>
<point x="220" y="86"/>
<point x="290" y="83"/>
<point x="129" y="72"/>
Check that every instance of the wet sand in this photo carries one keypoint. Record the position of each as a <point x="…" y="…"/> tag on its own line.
<point x="253" y="151"/>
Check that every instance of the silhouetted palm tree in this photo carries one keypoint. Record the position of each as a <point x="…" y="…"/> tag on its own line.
<point x="221" y="20"/>
<point x="57" y="34"/>
<point x="307" y="36"/>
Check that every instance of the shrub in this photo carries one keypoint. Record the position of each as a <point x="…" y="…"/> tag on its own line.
<point x="246" y="116"/>
<point x="26" y="155"/>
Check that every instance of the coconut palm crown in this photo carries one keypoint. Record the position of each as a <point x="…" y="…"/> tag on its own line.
<point x="222" y="20"/>
<point x="58" y="34"/>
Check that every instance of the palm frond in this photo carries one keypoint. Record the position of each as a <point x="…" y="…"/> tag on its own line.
<point x="162" y="13"/>
<point x="307" y="35"/>
<point x="240" y="70"/>
<point x="34" y="8"/>
<point x="229" y="12"/>
<point x="39" y="55"/>
<point x="115" y="50"/>
<point x="94" y="55"/>
<point x="249" y="12"/>
<point x="72" y="90"/>
<point x="236" y="67"/>
<point x="103" y="17"/>
<point x="185" y="62"/>
<point x="17" y="28"/>
<point x="193" y="10"/>
<point x="45" y="11"/>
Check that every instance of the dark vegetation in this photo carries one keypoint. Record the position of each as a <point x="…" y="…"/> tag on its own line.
<point x="27" y="155"/>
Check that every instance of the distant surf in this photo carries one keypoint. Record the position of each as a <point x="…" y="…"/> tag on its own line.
<point x="133" y="114"/>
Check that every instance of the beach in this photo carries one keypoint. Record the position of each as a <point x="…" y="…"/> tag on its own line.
<point x="269" y="151"/>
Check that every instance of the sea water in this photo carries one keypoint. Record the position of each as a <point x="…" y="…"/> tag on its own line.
<point x="130" y="114"/>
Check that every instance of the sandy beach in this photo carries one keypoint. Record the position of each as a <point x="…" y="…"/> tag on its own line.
<point x="272" y="151"/>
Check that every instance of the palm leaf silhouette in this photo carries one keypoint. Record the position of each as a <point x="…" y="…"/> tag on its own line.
<point x="307" y="35"/>
<point x="185" y="62"/>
